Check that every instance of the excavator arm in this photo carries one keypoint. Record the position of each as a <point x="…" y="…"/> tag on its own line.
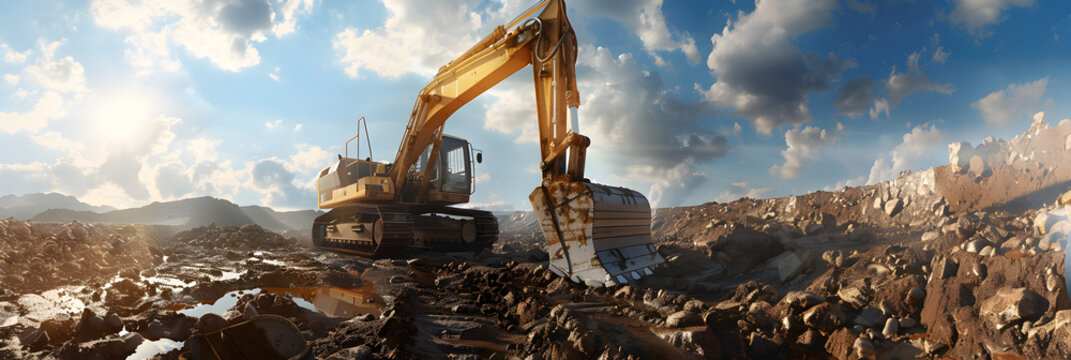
<point x="596" y="234"/>
<point x="548" y="43"/>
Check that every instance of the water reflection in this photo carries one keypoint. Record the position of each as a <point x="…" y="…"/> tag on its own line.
<point x="336" y="302"/>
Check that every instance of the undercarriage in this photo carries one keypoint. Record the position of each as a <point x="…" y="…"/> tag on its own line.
<point x="386" y="230"/>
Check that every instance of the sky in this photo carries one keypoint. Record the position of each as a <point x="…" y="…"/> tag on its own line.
<point x="127" y="102"/>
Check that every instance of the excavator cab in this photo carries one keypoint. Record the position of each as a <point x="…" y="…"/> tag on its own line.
<point x="451" y="179"/>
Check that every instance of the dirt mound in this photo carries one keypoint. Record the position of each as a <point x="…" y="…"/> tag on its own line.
<point x="39" y="256"/>
<point x="238" y="238"/>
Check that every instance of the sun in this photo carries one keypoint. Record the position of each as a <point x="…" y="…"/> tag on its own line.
<point x="119" y="116"/>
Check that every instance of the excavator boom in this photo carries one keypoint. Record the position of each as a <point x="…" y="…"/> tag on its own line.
<point x="596" y="234"/>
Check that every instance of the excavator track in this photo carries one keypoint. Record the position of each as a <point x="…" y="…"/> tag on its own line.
<point x="388" y="230"/>
<point x="433" y="237"/>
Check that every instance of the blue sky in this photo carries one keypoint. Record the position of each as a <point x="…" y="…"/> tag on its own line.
<point x="123" y="102"/>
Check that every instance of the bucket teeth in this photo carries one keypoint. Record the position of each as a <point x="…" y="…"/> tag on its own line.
<point x="597" y="235"/>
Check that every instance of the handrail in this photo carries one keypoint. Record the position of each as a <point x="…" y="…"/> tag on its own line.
<point x="357" y="137"/>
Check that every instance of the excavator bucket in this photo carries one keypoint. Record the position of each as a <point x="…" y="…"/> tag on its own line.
<point x="596" y="235"/>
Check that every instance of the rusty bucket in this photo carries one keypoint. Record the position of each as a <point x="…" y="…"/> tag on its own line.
<point x="596" y="235"/>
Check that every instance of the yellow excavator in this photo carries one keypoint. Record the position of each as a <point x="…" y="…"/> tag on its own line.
<point x="596" y="235"/>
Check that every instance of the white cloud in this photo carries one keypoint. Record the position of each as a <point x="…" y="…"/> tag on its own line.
<point x="12" y="56"/>
<point x="64" y="75"/>
<point x="55" y="141"/>
<point x="417" y="37"/>
<point x="975" y="15"/>
<point x="272" y="125"/>
<point x="855" y="96"/>
<point x="221" y="31"/>
<point x="761" y="73"/>
<point x="618" y="102"/>
<point x="310" y="158"/>
<point x="940" y="55"/>
<point x="740" y="190"/>
<point x="483" y="178"/>
<point x="297" y="127"/>
<point x="274" y="75"/>
<point x="880" y="106"/>
<point x="847" y="183"/>
<point x="1004" y="107"/>
<point x="900" y="86"/>
<point x="287" y="11"/>
<point x="279" y="185"/>
<point x="646" y="19"/>
<point x="49" y="106"/>
<point x="861" y="6"/>
<point x="674" y="186"/>
<point x="803" y="144"/>
<point x="915" y="143"/>
<point x="11" y="79"/>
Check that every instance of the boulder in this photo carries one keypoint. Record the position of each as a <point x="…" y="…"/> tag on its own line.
<point x="824" y="317"/>
<point x="869" y="317"/>
<point x="90" y="327"/>
<point x="746" y="247"/>
<point x="802" y="299"/>
<point x="1011" y="306"/>
<point x="210" y="322"/>
<point x="892" y="327"/>
<point x="1065" y="198"/>
<point x="893" y="207"/>
<point x="854" y="296"/>
<point x="359" y="352"/>
<point x="699" y="342"/>
<point x="978" y="167"/>
<point x="840" y="344"/>
<point x="789" y="264"/>
<point x="958" y="156"/>
<point x="683" y="319"/>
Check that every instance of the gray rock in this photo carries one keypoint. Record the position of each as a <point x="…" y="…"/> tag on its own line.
<point x="892" y="327"/>
<point x="359" y="352"/>
<point x="863" y="348"/>
<point x="854" y="296"/>
<point x="894" y="206"/>
<point x="789" y="264"/>
<point x="907" y="323"/>
<point x="694" y="305"/>
<point x="930" y="235"/>
<point x="683" y="319"/>
<point x="210" y="322"/>
<point x="803" y="299"/>
<point x="1011" y="306"/>
<point x="869" y="317"/>
<point x="824" y="317"/>
<point x="976" y="246"/>
<point x="702" y="343"/>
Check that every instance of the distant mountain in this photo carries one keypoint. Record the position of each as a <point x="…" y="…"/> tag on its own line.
<point x="190" y="213"/>
<point x="26" y="206"/>
<point x="301" y="219"/>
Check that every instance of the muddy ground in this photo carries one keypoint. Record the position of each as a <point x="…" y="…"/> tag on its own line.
<point x="924" y="266"/>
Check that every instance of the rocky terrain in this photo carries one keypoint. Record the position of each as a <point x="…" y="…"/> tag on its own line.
<point x="964" y="260"/>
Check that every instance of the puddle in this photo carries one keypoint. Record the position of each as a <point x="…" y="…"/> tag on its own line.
<point x="228" y="275"/>
<point x="335" y="302"/>
<point x="44" y="306"/>
<point x="218" y="307"/>
<point x="167" y="281"/>
<point x="148" y="349"/>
